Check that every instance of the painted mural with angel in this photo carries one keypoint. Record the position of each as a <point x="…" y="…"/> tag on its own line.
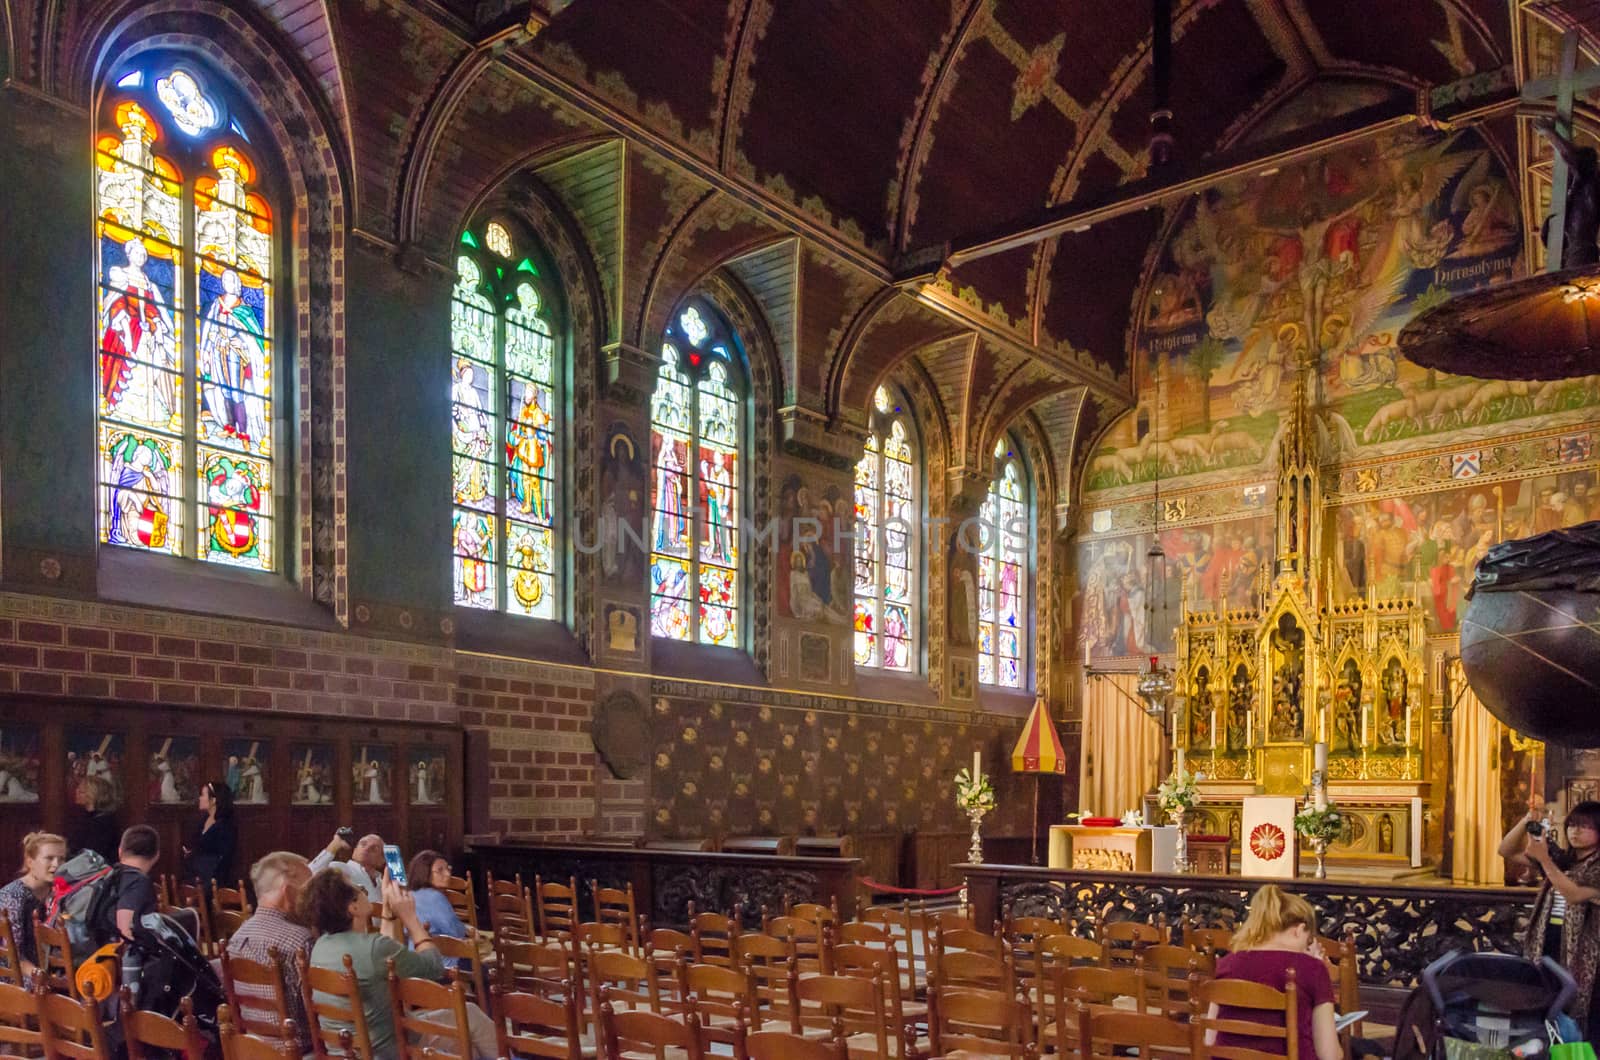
<point x="1318" y="264"/>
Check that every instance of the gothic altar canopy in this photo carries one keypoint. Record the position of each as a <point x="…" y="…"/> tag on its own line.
<point x="1261" y="685"/>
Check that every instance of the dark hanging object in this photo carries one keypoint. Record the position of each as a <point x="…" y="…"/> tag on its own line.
<point x="1539" y="328"/>
<point x="1161" y="83"/>
<point x="1530" y="638"/>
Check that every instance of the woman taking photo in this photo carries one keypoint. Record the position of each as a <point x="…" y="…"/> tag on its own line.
<point x="1565" y="926"/>
<point x="42" y="855"/>
<point x="338" y="913"/>
<point x="1279" y="935"/>
<point x="429" y="874"/>
<point x="210" y="856"/>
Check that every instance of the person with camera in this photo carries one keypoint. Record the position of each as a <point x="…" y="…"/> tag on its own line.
<point x="1566" y="916"/>
<point x="362" y="866"/>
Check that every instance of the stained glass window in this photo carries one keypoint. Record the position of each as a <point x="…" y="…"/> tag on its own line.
<point x="503" y="412"/>
<point x="185" y="268"/>
<point x="886" y="540"/>
<point x="695" y="431"/>
<point x="1003" y="573"/>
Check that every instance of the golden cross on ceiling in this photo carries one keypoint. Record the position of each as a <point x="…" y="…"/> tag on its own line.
<point x="1567" y="82"/>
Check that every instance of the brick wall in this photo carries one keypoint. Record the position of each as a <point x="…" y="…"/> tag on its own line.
<point x="541" y="761"/>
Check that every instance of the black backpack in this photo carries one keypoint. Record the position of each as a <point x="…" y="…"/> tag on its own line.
<point x="84" y="902"/>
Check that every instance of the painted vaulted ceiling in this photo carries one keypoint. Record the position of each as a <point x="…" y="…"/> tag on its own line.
<point x="830" y="153"/>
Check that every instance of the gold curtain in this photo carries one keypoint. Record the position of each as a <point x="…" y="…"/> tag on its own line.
<point x="1475" y="775"/>
<point x="1121" y="747"/>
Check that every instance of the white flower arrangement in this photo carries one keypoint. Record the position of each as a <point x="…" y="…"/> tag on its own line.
<point x="1326" y="824"/>
<point x="1133" y="819"/>
<point x="1181" y="791"/>
<point x="974" y="796"/>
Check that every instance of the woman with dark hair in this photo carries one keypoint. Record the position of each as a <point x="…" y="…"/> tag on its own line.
<point x="94" y="827"/>
<point x="210" y="857"/>
<point x="338" y="913"/>
<point x="1566" y="919"/>
<point x="429" y="874"/>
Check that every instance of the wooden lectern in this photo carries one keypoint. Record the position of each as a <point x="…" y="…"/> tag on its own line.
<point x="1099" y="849"/>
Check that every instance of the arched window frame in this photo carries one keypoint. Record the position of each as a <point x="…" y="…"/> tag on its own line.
<point x="212" y="345"/>
<point x="888" y="543"/>
<point x="698" y="596"/>
<point x="1004" y="571"/>
<point x="507" y="506"/>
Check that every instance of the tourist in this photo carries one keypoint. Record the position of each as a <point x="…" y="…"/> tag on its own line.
<point x="274" y="934"/>
<point x="338" y="911"/>
<point x="137" y="854"/>
<point x="1279" y="934"/>
<point x="42" y="854"/>
<point x="1562" y="926"/>
<point x="211" y="856"/>
<point x="363" y="867"/>
<point x="430" y="875"/>
<point x="94" y="827"/>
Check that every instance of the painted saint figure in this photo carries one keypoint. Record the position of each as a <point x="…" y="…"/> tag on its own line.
<point x="671" y="520"/>
<point x="137" y="340"/>
<point x="233" y="366"/>
<point x="528" y="453"/>
<point x="140" y="485"/>
<point x="470" y="435"/>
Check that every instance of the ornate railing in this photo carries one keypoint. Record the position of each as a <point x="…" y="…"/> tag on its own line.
<point x="1398" y="929"/>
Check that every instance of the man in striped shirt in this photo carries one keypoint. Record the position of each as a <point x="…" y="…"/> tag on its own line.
<point x="274" y="933"/>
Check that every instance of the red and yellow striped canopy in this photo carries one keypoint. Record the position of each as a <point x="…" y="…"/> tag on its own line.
<point x="1039" y="749"/>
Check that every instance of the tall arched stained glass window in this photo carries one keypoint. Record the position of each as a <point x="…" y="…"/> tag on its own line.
<point x="1003" y="573"/>
<point x="695" y="431"/>
<point x="185" y="262"/>
<point x="886" y="539"/>
<point x="504" y="405"/>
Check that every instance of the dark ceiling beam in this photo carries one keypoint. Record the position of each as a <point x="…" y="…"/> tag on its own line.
<point x="1189" y="177"/>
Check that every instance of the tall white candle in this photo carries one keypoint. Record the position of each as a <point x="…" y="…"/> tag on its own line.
<point x="1086" y="652"/>
<point x="1319" y="755"/>
<point x="1366" y="718"/>
<point x="1213" y="728"/>
<point x="977" y="764"/>
<point x="1180" y="761"/>
<point x="1407" y="742"/>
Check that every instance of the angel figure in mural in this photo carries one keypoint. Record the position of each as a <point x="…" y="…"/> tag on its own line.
<point x="140" y="484"/>
<point x="1489" y="223"/>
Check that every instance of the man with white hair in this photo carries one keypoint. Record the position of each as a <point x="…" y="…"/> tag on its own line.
<point x="274" y="934"/>
<point x="363" y="868"/>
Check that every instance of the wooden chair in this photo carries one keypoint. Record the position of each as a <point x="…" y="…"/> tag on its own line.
<point x="234" y="898"/>
<point x="527" y="1025"/>
<point x="1023" y="936"/>
<point x="1108" y="1035"/>
<point x="469" y="970"/>
<point x="532" y="967"/>
<point x="556" y="905"/>
<point x="1060" y="951"/>
<point x="804" y="938"/>
<point x="150" y="1035"/>
<point x="898" y="922"/>
<point x="815" y="912"/>
<point x="766" y="961"/>
<point x="1098" y="987"/>
<point x="713" y="936"/>
<point x="433" y="1012"/>
<point x="964" y="968"/>
<point x="866" y="961"/>
<point x="856" y="1003"/>
<point x="1123" y="941"/>
<point x="237" y="1045"/>
<point x="53" y="952"/>
<point x="988" y="1022"/>
<point x="262" y="1007"/>
<point x="967" y="940"/>
<point x="510" y="909"/>
<point x="1215" y="941"/>
<point x="224" y="923"/>
<point x="342" y="1007"/>
<point x="941" y="921"/>
<point x="193" y="896"/>
<point x="1241" y="993"/>
<point x="19" y="1021"/>
<point x="71" y="1028"/>
<point x="1340" y="956"/>
<point x="784" y="1045"/>
<point x="462" y="900"/>
<point x="722" y="998"/>
<point x="1169" y="972"/>
<point x="597" y="936"/>
<point x="614" y="905"/>
<point x="648" y="1032"/>
<point x="10" y="954"/>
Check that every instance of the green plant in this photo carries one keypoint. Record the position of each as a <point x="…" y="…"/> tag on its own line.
<point x="974" y="795"/>
<point x="1326" y="824"/>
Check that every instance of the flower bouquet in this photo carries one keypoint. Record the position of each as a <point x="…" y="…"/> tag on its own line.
<point x="1319" y="827"/>
<point x="1180" y="792"/>
<point x="974" y="795"/>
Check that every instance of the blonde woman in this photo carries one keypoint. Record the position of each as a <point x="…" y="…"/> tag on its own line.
<point x="42" y="854"/>
<point x="1279" y="934"/>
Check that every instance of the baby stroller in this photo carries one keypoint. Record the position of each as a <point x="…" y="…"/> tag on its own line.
<point x="171" y="968"/>
<point x="1474" y="1005"/>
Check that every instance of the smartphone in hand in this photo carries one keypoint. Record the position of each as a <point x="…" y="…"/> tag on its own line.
<point x="397" y="865"/>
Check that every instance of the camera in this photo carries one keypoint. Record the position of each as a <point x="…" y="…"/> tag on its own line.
<point x="346" y="833"/>
<point x="1535" y="829"/>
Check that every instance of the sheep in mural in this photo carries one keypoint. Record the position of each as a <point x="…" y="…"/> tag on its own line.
<point x="1224" y="443"/>
<point x="1112" y="463"/>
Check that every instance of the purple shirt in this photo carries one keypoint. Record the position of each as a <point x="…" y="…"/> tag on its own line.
<point x="1313" y="987"/>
